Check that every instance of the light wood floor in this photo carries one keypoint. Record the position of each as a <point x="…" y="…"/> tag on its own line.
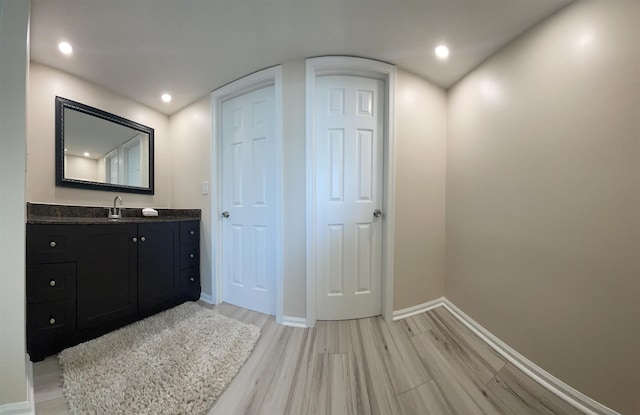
<point x="426" y="364"/>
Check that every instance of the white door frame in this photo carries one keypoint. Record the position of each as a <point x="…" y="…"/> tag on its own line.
<point x="342" y="65"/>
<point x="255" y="81"/>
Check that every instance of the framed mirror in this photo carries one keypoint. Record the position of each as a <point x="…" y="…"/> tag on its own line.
<point x="102" y="151"/>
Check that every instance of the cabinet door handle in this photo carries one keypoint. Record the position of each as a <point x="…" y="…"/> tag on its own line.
<point x="142" y="238"/>
<point x="192" y="279"/>
<point x="191" y="232"/>
<point x="52" y="321"/>
<point x="192" y="256"/>
<point x="52" y="283"/>
<point x="52" y="244"/>
<point x="134" y="239"/>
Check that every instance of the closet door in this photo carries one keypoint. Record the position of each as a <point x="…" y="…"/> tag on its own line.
<point x="349" y="196"/>
<point x="249" y="201"/>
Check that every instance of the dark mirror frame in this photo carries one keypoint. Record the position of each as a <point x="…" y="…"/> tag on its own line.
<point x="61" y="180"/>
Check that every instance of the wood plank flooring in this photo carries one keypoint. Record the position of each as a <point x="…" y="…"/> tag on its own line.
<point x="426" y="364"/>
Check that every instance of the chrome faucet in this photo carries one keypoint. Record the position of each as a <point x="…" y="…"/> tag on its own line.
<point x="114" y="212"/>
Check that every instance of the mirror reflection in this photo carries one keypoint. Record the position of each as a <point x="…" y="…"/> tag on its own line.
<point x="102" y="150"/>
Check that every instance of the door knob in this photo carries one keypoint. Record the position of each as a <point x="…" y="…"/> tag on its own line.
<point x="377" y="213"/>
<point x="225" y="214"/>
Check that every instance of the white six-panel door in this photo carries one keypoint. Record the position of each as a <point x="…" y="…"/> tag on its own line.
<point x="349" y="113"/>
<point x="248" y="196"/>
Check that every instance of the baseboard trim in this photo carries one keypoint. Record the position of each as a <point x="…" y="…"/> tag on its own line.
<point x="295" y="322"/>
<point x="16" y="408"/>
<point x="556" y="386"/>
<point x="417" y="309"/>
<point x="25" y="407"/>
<point x="31" y="400"/>
<point x="207" y="298"/>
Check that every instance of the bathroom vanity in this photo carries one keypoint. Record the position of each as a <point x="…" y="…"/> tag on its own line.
<point x="88" y="274"/>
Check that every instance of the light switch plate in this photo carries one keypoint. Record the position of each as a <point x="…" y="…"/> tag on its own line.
<point x="205" y="188"/>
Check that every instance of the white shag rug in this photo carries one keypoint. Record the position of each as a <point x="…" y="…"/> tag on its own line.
<point x="175" y="362"/>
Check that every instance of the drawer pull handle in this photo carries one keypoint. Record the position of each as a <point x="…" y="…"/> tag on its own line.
<point x="52" y="283"/>
<point x="143" y="238"/>
<point x="191" y="232"/>
<point x="192" y="279"/>
<point x="192" y="256"/>
<point x="52" y="321"/>
<point x="52" y="244"/>
<point x="134" y="239"/>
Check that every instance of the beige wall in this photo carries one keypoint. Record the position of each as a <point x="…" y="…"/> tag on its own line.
<point x="83" y="168"/>
<point x="537" y="156"/>
<point x="420" y="160"/>
<point x="14" y="23"/>
<point x="543" y="198"/>
<point x="421" y="137"/>
<point x="421" y="133"/>
<point x="190" y="132"/>
<point x="191" y="140"/>
<point x="182" y="163"/>
<point x="293" y="189"/>
<point x="44" y="84"/>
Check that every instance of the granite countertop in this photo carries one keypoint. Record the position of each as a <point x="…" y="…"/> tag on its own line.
<point x="105" y="220"/>
<point x="52" y="214"/>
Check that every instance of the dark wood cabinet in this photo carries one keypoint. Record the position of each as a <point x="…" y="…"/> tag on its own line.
<point x="85" y="280"/>
<point x="51" y="244"/>
<point x="107" y="269"/>
<point x="190" y="260"/>
<point x="158" y="264"/>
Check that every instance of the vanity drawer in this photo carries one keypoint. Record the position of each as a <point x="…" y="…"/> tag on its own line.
<point x="47" y="282"/>
<point x="190" y="283"/>
<point x="51" y="317"/>
<point x="50" y="328"/>
<point x="190" y="232"/>
<point x="51" y="243"/>
<point x="189" y="256"/>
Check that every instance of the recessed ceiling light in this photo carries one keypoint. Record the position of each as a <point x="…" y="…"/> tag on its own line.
<point x="441" y="51"/>
<point x="166" y="97"/>
<point x="86" y="154"/>
<point x="65" y="48"/>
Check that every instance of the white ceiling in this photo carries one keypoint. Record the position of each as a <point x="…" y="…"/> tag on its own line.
<point x="141" y="48"/>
